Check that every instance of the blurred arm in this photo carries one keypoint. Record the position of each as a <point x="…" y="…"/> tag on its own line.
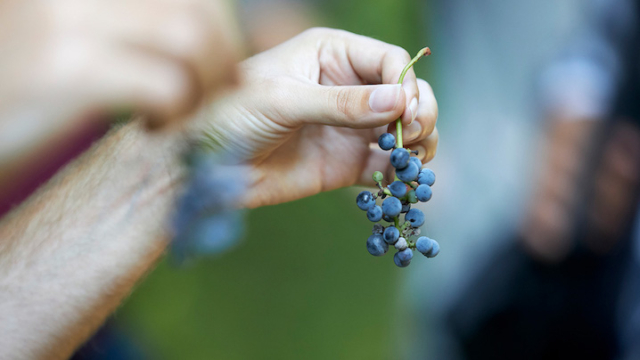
<point x="74" y="250"/>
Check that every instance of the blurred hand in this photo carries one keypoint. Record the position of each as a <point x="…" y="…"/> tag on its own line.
<point x="548" y="231"/>
<point x="62" y="60"/>
<point x="608" y="192"/>
<point x="308" y="114"/>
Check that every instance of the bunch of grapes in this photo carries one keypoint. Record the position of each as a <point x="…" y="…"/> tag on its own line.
<point x="206" y="220"/>
<point x="412" y="184"/>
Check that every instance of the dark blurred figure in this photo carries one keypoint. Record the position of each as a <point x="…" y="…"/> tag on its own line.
<point x="569" y="285"/>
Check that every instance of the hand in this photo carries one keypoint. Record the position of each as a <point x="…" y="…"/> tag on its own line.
<point x="64" y="59"/>
<point x="308" y="114"/>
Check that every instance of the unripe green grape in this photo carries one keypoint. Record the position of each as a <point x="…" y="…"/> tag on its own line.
<point x="377" y="176"/>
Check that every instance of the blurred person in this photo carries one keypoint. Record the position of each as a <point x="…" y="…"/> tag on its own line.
<point x="73" y="250"/>
<point x="566" y="284"/>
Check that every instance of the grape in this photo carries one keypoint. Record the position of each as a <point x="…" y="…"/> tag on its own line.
<point x="365" y="200"/>
<point x="399" y="158"/>
<point x="424" y="245"/>
<point x="415" y="217"/>
<point x="409" y="173"/>
<point x="391" y="235"/>
<point x="426" y="177"/>
<point x="416" y="161"/>
<point x="378" y="229"/>
<point x="398" y="189"/>
<point x="387" y="218"/>
<point x="405" y="208"/>
<point x="377" y="176"/>
<point x="391" y="206"/>
<point x="400" y="263"/>
<point x="401" y="244"/>
<point x="376" y="245"/>
<point x="423" y="193"/>
<point x="374" y="213"/>
<point x="405" y="255"/>
<point x="435" y="249"/>
<point x="387" y="141"/>
<point x="204" y="222"/>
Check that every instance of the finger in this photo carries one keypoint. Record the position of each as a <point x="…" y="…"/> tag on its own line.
<point x="427" y="147"/>
<point x="427" y="115"/>
<point x="185" y="32"/>
<point x="425" y="121"/>
<point x="136" y="81"/>
<point x="375" y="62"/>
<point x="359" y="107"/>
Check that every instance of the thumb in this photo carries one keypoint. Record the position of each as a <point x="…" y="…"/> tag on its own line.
<point x="364" y="106"/>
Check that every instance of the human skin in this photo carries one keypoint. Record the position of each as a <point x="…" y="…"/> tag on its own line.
<point x="71" y="61"/>
<point x="75" y="249"/>
<point x="309" y="123"/>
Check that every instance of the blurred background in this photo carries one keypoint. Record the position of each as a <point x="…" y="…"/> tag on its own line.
<point x="534" y="221"/>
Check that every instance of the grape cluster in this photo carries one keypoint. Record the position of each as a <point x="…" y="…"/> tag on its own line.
<point x="412" y="184"/>
<point x="206" y="220"/>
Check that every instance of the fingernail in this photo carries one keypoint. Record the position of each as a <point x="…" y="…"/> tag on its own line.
<point x="413" y="107"/>
<point x="412" y="131"/>
<point x="384" y="98"/>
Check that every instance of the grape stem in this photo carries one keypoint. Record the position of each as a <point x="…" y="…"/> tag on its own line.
<point x="424" y="52"/>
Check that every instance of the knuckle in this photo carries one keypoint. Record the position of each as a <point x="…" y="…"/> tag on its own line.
<point x="343" y="102"/>
<point x="316" y="32"/>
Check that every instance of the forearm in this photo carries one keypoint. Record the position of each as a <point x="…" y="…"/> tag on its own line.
<point x="74" y="250"/>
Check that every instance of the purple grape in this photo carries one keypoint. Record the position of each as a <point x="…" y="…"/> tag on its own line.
<point x="398" y="189"/>
<point x="409" y="173"/>
<point x="391" y="235"/>
<point x="426" y="177"/>
<point x="391" y="206"/>
<point x="365" y="200"/>
<point x="415" y="217"/>
<point x="423" y="192"/>
<point x="374" y="213"/>
<point x="399" y="158"/>
<point x="376" y="245"/>
<point x="387" y="141"/>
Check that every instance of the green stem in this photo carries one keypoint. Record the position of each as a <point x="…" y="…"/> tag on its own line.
<point x="426" y="51"/>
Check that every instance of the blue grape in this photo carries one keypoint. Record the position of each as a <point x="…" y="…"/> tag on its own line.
<point x="401" y="244"/>
<point x="423" y="192"/>
<point x="426" y="177"/>
<point x="416" y="161"/>
<point x="399" y="262"/>
<point x="435" y="249"/>
<point x="391" y="206"/>
<point x="415" y="217"/>
<point x="365" y="200"/>
<point x="386" y="141"/>
<point x="409" y="173"/>
<point x="405" y="208"/>
<point x="391" y="235"/>
<point x="398" y="189"/>
<point x="387" y="218"/>
<point x="376" y="245"/>
<point x="378" y="229"/>
<point x="399" y="158"/>
<point x="374" y="213"/>
<point x="424" y="245"/>
<point x="405" y="255"/>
